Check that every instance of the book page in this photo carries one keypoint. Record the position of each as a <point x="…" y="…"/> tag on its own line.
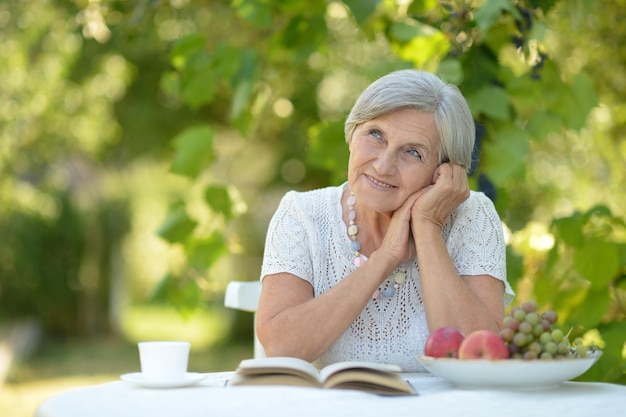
<point x="365" y="376"/>
<point x="272" y="379"/>
<point x="341" y="366"/>
<point x="280" y="365"/>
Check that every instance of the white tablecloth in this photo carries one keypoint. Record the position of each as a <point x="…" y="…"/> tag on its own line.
<point x="436" y="398"/>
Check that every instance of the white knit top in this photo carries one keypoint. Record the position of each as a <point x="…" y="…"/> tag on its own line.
<point x="307" y="237"/>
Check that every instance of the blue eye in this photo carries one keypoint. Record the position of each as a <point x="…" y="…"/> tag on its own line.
<point x="415" y="153"/>
<point x="376" y="134"/>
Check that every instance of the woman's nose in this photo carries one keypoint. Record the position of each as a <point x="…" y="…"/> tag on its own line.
<point x="385" y="162"/>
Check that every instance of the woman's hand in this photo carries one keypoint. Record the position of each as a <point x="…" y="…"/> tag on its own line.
<point x="398" y="241"/>
<point x="435" y="203"/>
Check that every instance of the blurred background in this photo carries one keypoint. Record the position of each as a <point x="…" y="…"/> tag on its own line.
<point x="145" y="144"/>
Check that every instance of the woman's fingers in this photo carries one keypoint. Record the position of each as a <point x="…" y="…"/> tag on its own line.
<point x="398" y="241"/>
<point x="450" y="188"/>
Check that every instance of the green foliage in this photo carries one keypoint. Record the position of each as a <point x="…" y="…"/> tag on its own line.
<point x="492" y="11"/>
<point x="90" y="89"/>
<point x="179" y="291"/>
<point x="177" y="226"/>
<point x="581" y="278"/>
<point x="194" y="151"/>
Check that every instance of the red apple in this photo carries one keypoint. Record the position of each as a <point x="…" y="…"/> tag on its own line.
<point x="483" y="344"/>
<point x="444" y="343"/>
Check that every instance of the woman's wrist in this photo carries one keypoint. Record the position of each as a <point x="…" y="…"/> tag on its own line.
<point x="386" y="263"/>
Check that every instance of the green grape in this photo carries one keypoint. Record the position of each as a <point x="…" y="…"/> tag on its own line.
<point x="538" y="329"/>
<point x="519" y="315"/>
<point x="530" y="355"/>
<point x="519" y="339"/>
<point x="546" y="355"/>
<point x="545" y="337"/>
<point x="581" y="350"/>
<point x="551" y="347"/>
<point x="511" y="323"/>
<point x="563" y="348"/>
<point x="534" y="347"/>
<point x="525" y="327"/>
<point x="557" y="335"/>
<point x="533" y="317"/>
<point x="507" y="334"/>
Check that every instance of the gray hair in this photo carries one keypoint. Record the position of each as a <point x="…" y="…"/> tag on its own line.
<point x="420" y="90"/>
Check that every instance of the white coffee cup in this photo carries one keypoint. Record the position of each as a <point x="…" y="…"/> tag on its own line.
<point x="164" y="360"/>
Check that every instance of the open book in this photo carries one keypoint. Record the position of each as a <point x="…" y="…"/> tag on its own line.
<point x="364" y="376"/>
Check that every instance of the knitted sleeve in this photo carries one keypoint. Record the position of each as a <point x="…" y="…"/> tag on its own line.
<point x="287" y="247"/>
<point x="476" y="241"/>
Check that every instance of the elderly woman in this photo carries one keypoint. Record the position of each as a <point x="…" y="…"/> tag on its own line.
<point x="364" y="271"/>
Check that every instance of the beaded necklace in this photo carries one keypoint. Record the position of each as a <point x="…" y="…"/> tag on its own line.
<point x="399" y="277"/>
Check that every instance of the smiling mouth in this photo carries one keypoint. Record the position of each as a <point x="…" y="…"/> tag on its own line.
<point x="379" y="183"/>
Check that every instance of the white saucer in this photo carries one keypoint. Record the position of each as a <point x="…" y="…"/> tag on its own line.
<point x="137" y="378"/>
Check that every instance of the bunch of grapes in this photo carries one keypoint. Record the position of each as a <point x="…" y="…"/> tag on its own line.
<point x="532" y="335"/>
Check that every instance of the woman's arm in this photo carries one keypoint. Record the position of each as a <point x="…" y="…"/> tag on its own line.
<point x="292" y="322"/>
<point x="464" y="302"/>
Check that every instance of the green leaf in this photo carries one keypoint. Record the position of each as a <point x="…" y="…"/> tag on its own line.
<point x="304" y="36"/>
<point x="257" y="12"/>
<point x="362" y="9"/>
<point x="599" y="210"/>
<point x="197" y="87"/>
<point x="612" y="365"/>
<point x="406" y="30"/>
<point x="598" y="261"/>
<point x="585" y="92"/>
<point x="194" y="151"/>
<point x="181" y="292"/>
<point x="428" y="45"/>
<point x="589" y="313"/>
<point x="491" y="11"/>
<point x="504" y="157"/>
<point x="492" y="101"/>
<point x="514" y="266"/>
<point x="566" y="298"/>
<point x="450" y="70"/>
<point x="570" y="229"/>
<point x="178" y="226"/>
<point x="325" y="150"/>
<point x="421" y="7"/>
<point x="218" y="199"/>
<point x="243" y="82"/>
<point x="202" y="253"/>
<point x="185" y="47"/>
<point x="481" y="67"/>
<point x="542" y="123"/>
<point x="545" y="5"/>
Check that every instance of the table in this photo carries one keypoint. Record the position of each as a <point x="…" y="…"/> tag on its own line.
<point x="436" y="397"/>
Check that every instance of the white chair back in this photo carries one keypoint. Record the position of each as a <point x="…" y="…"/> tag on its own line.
<point x="244" y="295"/>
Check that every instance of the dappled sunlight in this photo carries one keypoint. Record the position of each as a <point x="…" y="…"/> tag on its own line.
<point x="535" y="237"/>
<point x="22" y="399"/>
<point x="203" y="328"/>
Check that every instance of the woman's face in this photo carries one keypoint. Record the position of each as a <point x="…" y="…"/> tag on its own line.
<point x="392" y="157"/>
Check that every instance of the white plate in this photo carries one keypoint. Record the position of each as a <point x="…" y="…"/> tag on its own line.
<point x="137" y="378"/>
<point x="508" y="373"/>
